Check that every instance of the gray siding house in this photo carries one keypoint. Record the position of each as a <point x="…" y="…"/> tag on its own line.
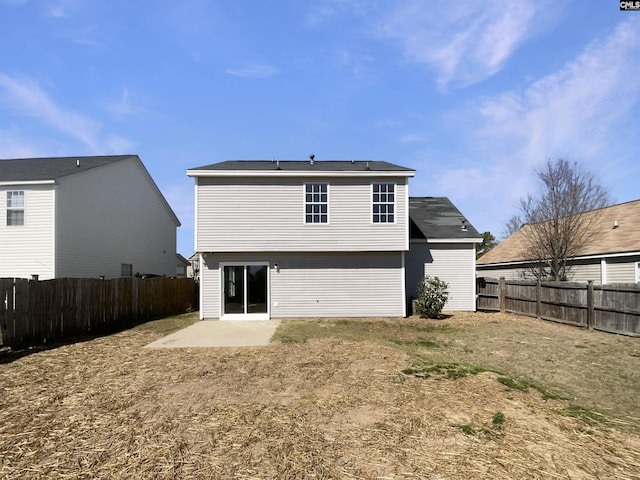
<point x="280" y="239"/>
<point x="83" y="217"/>
<point x="613" y="256"/>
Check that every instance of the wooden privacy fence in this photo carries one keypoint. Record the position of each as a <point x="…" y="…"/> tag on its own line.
<point x="35" y="312"/>
<point x="611" y="308"/>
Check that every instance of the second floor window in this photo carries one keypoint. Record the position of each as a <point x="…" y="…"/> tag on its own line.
<point x="316" y="203"/>
<point x="15" y="207"/>
<point x="384" y="202"/>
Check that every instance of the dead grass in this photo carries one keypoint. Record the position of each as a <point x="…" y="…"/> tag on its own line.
<point x="310" y="408"/>
<point x="596" y="370"/>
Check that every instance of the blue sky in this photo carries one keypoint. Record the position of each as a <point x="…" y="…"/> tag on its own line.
<point x="474" y="95"/>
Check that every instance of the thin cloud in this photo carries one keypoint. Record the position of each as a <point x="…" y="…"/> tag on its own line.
<point x="257" y="70"/>
<point x="577" y="112"/>
<point x="121" y="107"/>
<point x="411" y="138"/>
<point x="462" y="45"/>
<point x="26" y="98"/>
<point x="574" y="108"/>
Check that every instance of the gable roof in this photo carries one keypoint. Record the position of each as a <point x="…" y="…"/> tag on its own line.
<point x="609" y="240"/>
<point x="284" y="167"/>
<point x="51" y="168"/>
<point x="436" y="218"/>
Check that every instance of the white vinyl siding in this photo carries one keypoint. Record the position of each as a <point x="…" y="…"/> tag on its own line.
<point x="453" y="263"/>
<point x="110" y="216"/>
<point x="318" y="284"/>
<point x="507" y="273"/>
<point x="586" y="271"/>
<point x="262" y="214"/>
<point x="621" y="272"/>
<point x="28" y="249"/>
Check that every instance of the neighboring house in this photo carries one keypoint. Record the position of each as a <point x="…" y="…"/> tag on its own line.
<point x="182" y="265"/>
<point x="303" y="239"/>
<point x="84" y="217"/>
<point x="612" y="257"/>
<point x="442" y="245"/>
<point x="193" y="269"/>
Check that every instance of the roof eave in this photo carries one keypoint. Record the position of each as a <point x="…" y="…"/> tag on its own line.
<point x="8" y="183"/>
<point x="300" y="173"/>
<point x="446" y="240"/>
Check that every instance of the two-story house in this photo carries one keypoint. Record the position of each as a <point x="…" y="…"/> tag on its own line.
<point x="301" y="238"/>
<point x="83" y="217"/>
<point x="331" y="238"/>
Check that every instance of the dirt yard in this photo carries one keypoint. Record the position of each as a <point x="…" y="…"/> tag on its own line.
<point x="316" y="406"/>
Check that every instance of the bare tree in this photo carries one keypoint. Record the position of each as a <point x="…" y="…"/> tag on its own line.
<point x="558" y="226"/>
<point x="512" y="226"/>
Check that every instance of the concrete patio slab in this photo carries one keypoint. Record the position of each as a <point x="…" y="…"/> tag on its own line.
<point x="217" y="333"/>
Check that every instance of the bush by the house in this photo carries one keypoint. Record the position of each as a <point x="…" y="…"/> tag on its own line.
<point x="432" y="297"/>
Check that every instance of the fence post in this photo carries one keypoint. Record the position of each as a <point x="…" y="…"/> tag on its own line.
<point x="503" y="294"/>
<point x="590" y="307"/>
<point x="538" y="299"/>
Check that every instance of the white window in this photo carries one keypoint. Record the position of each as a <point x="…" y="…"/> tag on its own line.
<point x="126" y="270"/>
<point x="384" y="202"/>
<point x="316" y="203"/>
<point x="15" y="207"/>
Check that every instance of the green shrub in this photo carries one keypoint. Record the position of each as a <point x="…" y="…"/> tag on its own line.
<point x="432" y="297"/>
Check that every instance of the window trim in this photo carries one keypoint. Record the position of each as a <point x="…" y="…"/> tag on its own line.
<point x="395" y="204"/>
<point x="12" y="208"/>
<point x="305" y="203"/>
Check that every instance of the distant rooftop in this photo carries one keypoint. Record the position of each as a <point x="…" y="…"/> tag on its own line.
<point x="50" y="168"/>
<point x="617" y="229"/>
<point x="306" y="166"/>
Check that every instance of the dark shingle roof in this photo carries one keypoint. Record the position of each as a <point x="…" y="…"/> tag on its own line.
<point x="307" y="166"/>
<point x="37" y="169"/>
<point x="438" y="218"/>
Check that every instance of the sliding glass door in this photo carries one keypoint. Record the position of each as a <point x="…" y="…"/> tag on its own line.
<point x="245" y="291"/>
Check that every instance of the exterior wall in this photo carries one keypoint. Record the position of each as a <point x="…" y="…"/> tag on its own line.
<point x="318" y="284"/>
<point x="453" y="263"/>
<point x="622" y="271"/>
<point x="507" y="273"/>
<point x="28" y="249"/>
<point x="112" y="215"/>
<point x="617" y="270"/>
<point x="583" y="272"/>
<point x="258" y="214"/>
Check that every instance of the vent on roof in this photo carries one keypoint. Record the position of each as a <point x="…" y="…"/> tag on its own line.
<point x="615" y="224"/>
<point x="77" y="162"/>
<point x="464" y="225"/>
<point x="311" y="157"/>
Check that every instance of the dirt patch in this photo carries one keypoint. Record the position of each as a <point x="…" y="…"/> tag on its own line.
<point x="325" y="408"/>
